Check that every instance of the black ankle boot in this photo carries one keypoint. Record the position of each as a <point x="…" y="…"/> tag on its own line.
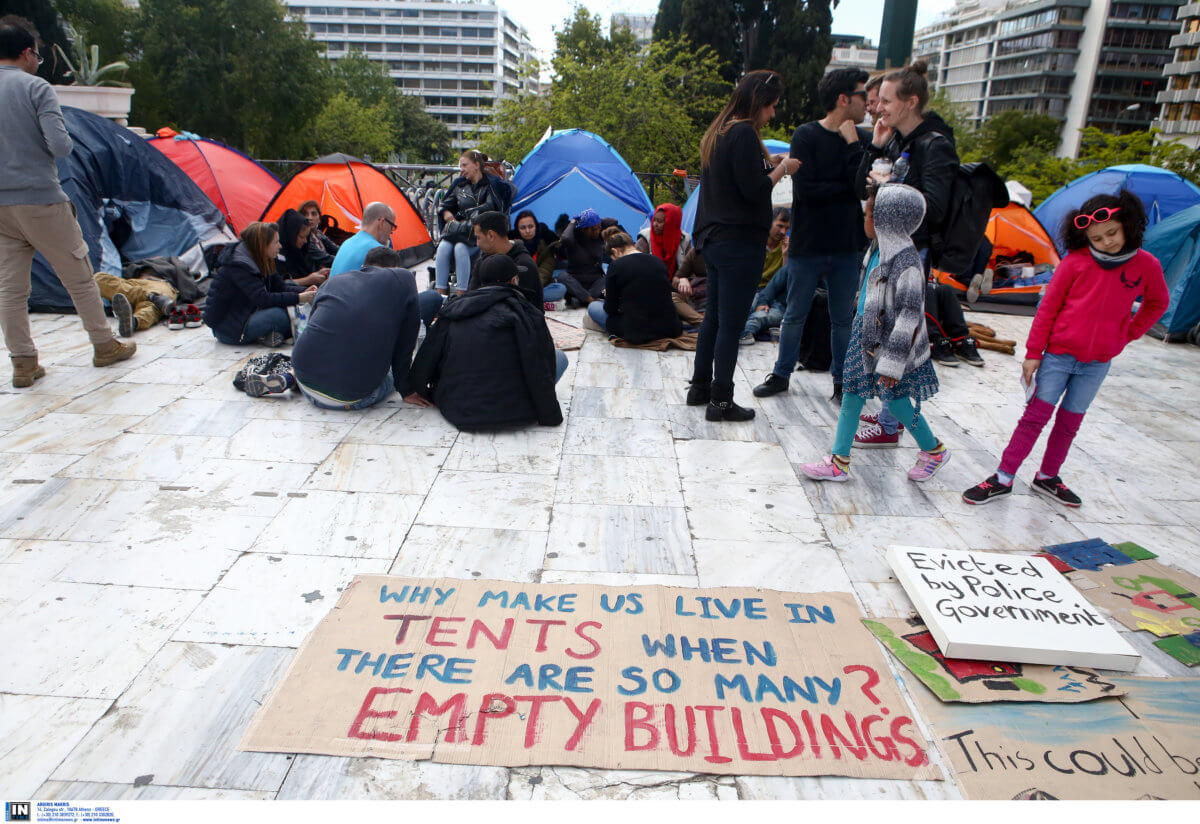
<point x="698" y="393"/>
<point x="836" y="397"/>
<point x="727" y="411"/>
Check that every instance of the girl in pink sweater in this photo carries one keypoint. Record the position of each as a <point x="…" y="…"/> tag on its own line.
<point x="1083" y="321"/>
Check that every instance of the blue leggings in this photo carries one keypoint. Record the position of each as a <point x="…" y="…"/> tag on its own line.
<point x="902" y="408"/>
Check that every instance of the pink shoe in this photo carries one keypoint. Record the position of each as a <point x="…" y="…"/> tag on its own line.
<point x="872" y="436"/>
<point x="873" y="417"/>
<point x="927" y="465"/>
<point x="826" y="470"/>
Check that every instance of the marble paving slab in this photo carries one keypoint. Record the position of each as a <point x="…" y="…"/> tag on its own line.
<point x="38" y="732"/>
<point x="471" y="552"/>
<point x="361" y="525"/>
<point x="633" y="539"/>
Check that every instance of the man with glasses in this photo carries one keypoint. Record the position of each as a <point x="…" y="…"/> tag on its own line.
<point x="827" y="239"/>
<point x="35" y="213"/>
<point x="378" y="223"/>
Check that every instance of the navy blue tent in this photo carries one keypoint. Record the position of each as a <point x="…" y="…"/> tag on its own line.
<point x="132" y="203"/>
<point x="1176" y="243"/>
<point x="572" y="170"/>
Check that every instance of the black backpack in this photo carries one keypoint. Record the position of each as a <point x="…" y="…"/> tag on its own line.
<point x="976" y="191"/>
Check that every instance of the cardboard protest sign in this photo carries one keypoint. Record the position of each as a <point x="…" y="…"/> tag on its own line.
<point x="998" y="607"/>
<point x="977" y="682"/>
<point x="1145" y="744"/>
<point x="737" y="681"/>
<point x="1145" y="595"/>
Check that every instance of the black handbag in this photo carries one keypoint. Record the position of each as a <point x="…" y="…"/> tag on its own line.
<point x="458" y="231"/>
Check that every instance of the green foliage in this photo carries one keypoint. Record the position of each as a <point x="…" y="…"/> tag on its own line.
<point x="652" y="107"/>
<point x="668" y="24"/>
<point x="714" y="23"/>
<point x="793" y="38"/>
<point x="346" y="125"/>
<point x="85" y="69"/>
<point x="955" y="115"/>
<point x="1005" y="133"/>
<point x="103" y="23"/>
<point x="233" y="70"/>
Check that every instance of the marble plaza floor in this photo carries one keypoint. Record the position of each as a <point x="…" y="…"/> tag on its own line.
<point x="166" y="542"/>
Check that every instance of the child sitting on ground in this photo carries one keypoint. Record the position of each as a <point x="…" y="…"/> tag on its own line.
<point x="888" y="355"/>
<point x="1082" y="323"/>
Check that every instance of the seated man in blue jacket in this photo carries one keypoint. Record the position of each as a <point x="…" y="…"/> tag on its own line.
<point x="359" y="341"/>
<point x="489" y="361"/>
<point x="769" y="306"/>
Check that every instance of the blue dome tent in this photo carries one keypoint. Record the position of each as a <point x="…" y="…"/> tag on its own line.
<point x="1176" y="243"/>
<point x="132" y="203"/>
<point x="1163" y="193"/>
<point x="774" y="147"/>
<point x="572" y="170"/>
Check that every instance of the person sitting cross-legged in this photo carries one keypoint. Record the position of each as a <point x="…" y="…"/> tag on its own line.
<point x="488" y="361"/>
<point x="378" y="223"/>
<point x="637" y="303"/>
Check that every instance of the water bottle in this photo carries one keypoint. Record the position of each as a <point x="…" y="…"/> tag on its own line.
<point x="900" y="169"/>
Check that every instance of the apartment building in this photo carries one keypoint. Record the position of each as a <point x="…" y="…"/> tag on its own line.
<point x="1179" y="115"/>
<point x="1084" y="62"/>
<point x="852" y="51"/>
<point x="459" y="58"/>
<point x="641" y="26"/>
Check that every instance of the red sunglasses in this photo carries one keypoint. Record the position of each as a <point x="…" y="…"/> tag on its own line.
<point x="1098" y="216"/>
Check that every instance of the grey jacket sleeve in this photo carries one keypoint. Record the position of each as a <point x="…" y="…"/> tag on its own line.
<point x="910" y="311"/>
<point x="50" y="118"/>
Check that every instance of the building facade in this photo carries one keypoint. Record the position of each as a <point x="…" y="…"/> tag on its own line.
<point x="1179" y="115"/>
<point x="641" y="26"/>
<point x="459" y="58"/>
<point x="1084" y="62"/>
<point x="852" y="51"/>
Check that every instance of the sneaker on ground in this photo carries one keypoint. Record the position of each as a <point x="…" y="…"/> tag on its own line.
<point x="986" y="491"/>
<point x="259" y="385"/>
<point x="872" y="436"/>
<point x="1056" y="489"/>
<point x="928" y="464"/>
<point x="175" y="320"/>
<point x="826" y="470"/>
<point x="873" y="417"/>
<point x="773" y="385"/>
<point x="967" y="351"/>
<point x="942" y="352"/>
<point x="123" y="310"/>
<point x="746" y="340"/>
<point x="165" y="305"/>
<point x="974" y="290"/>
<point x="191" y="316"/>
<point x="989" y="278"/>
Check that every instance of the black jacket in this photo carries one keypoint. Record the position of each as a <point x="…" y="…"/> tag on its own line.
<point x="528" y="279"/>
<point x="363" y="323"/>
<point x="735" y="191"/>
<point x="469" y="200"/>
<point x="488" y="362"/>
<point x="932" y="168"/>
<point x="826" y="215"/>
<point x="637" y="300"/>
<point x="239" y="290"/>
<point x="585" y="256"/>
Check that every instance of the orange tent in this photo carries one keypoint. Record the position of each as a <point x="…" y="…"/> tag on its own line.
<point x="1013" y="229"/>
<point x="239" y="186"/>
<point x="344" y="185"/>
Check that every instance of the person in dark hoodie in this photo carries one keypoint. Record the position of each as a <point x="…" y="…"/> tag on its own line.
<point x="637" y="303"/>
<point x="489" y="361"/>
<point x="542" y="245"/>
<point x="248" y="300"/>
<point x="904" y="128"/>
<point x="296" y="262"/>
<point x="584" y="251"/>
<point x="320" y="248"/>
<point x="491" y="236"/>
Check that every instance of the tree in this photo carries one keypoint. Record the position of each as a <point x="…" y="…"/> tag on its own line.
<point x="955" y="116"/>
<point x="45" y="19"/>
<point x="668" y="24"/>
<point x="794" y="40"/>
<point x="711" y="23"/>
<point x="1005" y="133"/>
<point x="234" y="70"/>
<point x="346" y="125"/>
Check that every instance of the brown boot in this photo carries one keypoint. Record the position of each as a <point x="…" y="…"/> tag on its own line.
<point x="26" y="371"/>
<point x="106" y="354"/>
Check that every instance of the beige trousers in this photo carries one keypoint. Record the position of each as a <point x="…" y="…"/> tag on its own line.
<point x="52" y="230"/>
<point x="138" y="290"/>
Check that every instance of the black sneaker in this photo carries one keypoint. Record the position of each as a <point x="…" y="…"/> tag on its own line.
<point x="943" y="353"/>
<point x="698" y="393"/>
<point x="836" y="397"/>
<point x="1056" y="489"/>
<point x="989" y="490"/>
<point x="727" y="411"/>
<point x="123" y="311"/>
<point x="773" y="385"/>
<point x="966" y="351"/>
<point x="165" y="304"/>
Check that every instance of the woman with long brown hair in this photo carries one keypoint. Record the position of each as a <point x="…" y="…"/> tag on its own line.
<point x="733" y="220"/>
<point x="248" y="299"/>
<point x="471" y="194"/>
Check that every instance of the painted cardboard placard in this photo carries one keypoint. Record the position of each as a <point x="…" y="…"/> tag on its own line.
<point x="978" y="682"/>
<point x="1183" y="648"/>
<point x="995" y="606"/>
<point x="1090" y="554"/>
<point x="1144" y="744"/>
<point x="735" y="681"/>
<point x="1145" y="595"/>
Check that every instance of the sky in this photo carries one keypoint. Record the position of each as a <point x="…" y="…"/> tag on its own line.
<point x="540" y="17"/>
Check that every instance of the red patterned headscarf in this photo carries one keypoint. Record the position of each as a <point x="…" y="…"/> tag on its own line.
<point x="665" y="246"/>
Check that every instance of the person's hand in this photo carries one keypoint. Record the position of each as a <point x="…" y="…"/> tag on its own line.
<point x="448" y="215"/>
<point x="880" y="134"/>
<point x="1029" y="368"/>
<point x="776" y="159"/>
<point x="684" y="287"/>
<point x="886" y="382"/>
<point x="308" y="294"/>
<point x="417" y="400"/>
<point x="786" y="239"/>
<point x="318" y="277"/>
<point x="790" y="165"/>
<point x="848" y="131"/>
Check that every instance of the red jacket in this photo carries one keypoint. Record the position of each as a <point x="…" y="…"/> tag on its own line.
<point x="1085" y="312"/>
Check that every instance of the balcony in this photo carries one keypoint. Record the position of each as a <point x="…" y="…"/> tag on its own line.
<point x="1185" y="39"/>
<point x="1178" y="96"/>
<point x="1177" y="127"/>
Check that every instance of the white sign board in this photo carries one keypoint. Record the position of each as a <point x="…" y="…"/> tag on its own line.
<point x="993" y="606"/>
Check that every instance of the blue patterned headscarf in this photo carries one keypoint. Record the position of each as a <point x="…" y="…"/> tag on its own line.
<point x="587" y="219"/>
